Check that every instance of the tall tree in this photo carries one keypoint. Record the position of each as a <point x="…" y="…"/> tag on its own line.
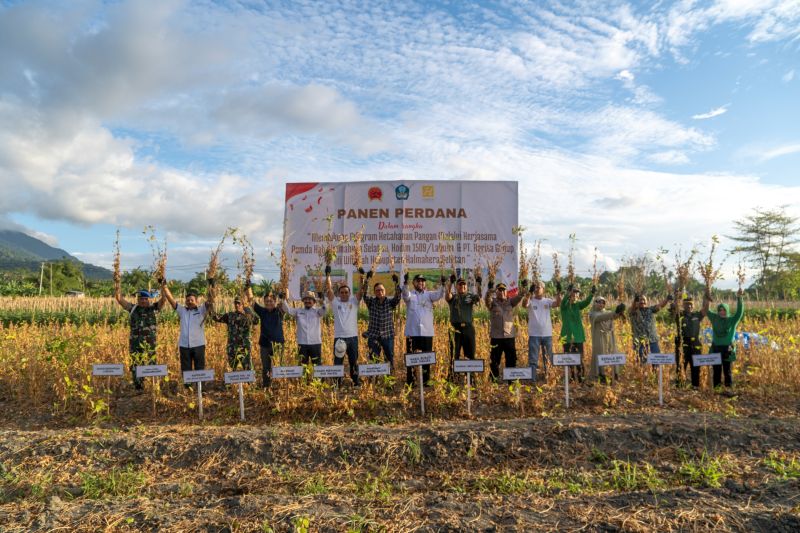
<point x="767" y="237"/>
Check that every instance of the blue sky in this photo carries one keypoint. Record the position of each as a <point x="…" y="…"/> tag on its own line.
<point x="634" y="125"/>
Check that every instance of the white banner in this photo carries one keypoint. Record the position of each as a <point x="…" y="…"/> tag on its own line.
<point x="329" y="371"/>
<point x="151" y="371"/>
<point x="468" y="365"/>
<point x="196" y="376"/>
<point x="240" y="376"/>
<point x="287" y="372"/>
<point x="566" y="359"/>
<point x="373" y="369"/>
<point x="522" y="372"/>
<point x="661" y="358"/>
<point x="419" y="359"/>
<point x="707" y="360"/>
<point x="107" y="369"/>
<point x="418" y="223"/>
<point x="611" y="359"/>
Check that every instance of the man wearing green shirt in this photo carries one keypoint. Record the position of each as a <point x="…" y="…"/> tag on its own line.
<point x="723" y="326"/>
<point x="572" y="333"/>
<point x="461" y="305"/>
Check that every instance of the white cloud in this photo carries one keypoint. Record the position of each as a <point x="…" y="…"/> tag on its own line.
<point x="711" y="114"/>
<point x="789" y="76"/>
<point x="779" y="151"/>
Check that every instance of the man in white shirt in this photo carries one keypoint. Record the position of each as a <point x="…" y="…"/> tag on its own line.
<point x="540" y="326"/>
<point x="309" y="327"/>
<point x="419" y="320"/>
<point x="345" y="324"/>
<point x="192" y="338"/>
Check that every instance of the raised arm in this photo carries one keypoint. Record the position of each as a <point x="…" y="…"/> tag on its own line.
<point x="478" y="280"/>
<point x="489" y="294"/>
<point x="126" y="305"/>
<point x="438" y="294"/>
<point x="448" y="291"/>
<point x="328" y="284"/>
<point x="660" y="305"/>
<point x="739" y="307"/>
<point x="168" y="295"/>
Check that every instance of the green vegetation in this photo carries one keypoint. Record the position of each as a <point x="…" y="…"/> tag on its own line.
<point x="115" y="483"/>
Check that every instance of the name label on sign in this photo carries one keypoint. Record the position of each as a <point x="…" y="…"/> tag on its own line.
<point x="241" y="376"/>
<point x="373" y="369"/>
<point x="329" y="371"/>
<point x="419" y="359"/>
<point x="567" y="359"/>
<point x="707" y="360"/>
<point x="107" y="370"/>
<point x="661" y="358"/>
<point x="196" y="376"/>
<point x="523" y="372"/>
<point x="151" y="371"/>
<point x="609" y="359"/>
<point x="287" y="372"/>
<point x="468" y="365"/>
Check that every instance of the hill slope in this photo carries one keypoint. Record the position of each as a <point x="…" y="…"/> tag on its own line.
<point x="19" y="251"/>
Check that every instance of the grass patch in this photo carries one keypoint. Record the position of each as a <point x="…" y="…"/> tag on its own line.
<point x="115" y="483"/>
<point x="507" y="482"/>
<point x="784" y="467"/>
<point x="627" y="476"/>
<point x="704" y="471"/>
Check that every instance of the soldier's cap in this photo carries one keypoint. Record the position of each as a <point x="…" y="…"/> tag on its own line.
<point x="237" y="300"/>
<point x="419" y="277"/>
<point x="501" y="286"/>
<point x="309" y="295"/>
<point x="459" y="281"/>
<point x="143" y="294"/>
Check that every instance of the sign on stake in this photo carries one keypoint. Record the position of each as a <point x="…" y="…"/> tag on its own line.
<point x="239" y="377"/>
<point x="329" y="371"/>
<point x="566" y="360"/>
<point x="199" y="376"/>
<point x="152" y="371"/>
<point x="108" y="370"/>
<point x="517" y="374"/>
<point x="287" y="372"/>
<point x="419" y="360"/>
<point x="373" y="369"/>
<point x="468" y="366"/>
<point x="661" y="359"/>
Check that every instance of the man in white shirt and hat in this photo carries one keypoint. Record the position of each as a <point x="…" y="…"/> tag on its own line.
<point x="419" y="320"/>
<point x="345" y="324"/>
<point x="309" y="327"/>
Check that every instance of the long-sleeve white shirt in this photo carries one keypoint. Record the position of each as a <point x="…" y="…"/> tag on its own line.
<point x="192" y="332"/>
<point x="309" y="323"/>
<point x="345" y="318"/>
<point x="419" y="311"/>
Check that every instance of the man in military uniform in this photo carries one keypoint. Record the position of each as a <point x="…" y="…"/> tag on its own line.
<point x="463" y="331"/>
<point x="687" y="338"/>
<point x="239" y="321"/>
<point x="142" y="318"/>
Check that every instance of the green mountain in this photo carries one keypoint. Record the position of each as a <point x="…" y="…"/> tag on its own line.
<point x="19" y="251"/>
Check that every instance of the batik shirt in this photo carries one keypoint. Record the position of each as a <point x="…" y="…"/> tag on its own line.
<point x="643" y="324"/>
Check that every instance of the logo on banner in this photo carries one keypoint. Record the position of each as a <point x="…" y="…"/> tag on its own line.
<point x="402" y="192"/>
<point x="375" y="193"/>
<point x="428" y="192"/>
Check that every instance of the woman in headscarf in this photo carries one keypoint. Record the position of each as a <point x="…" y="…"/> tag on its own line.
<point x="723" y="326"/>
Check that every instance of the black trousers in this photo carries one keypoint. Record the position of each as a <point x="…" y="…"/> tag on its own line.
<point x="310" y="352"/>
<point x="418" y="344"/>
<point x="267" y="351"/>
<point x="352" y="357"/>
<point x="724" y="368"/>
<point x="462" y="339"/>
<point x="500" y="347"/>
<point x="689" y="351"/>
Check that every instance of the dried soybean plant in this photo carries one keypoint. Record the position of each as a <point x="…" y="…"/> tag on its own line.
<point x="639" y="268"/>
<point x="571" y="259"/>
<point x="595" y="275"/>
<point x="665" y="273"/>
<point x="331" y="243"/>
<point x="708" y="270"/>
<point x="741" y="275"/>
<point x="621" y="296"/>
<point x="523" y="253"/>
<point x="117" y="276"/>
<point x="358" y="261"/>
<point x="213" y="266"/>
<point x="377" y="259"/>
<point x="159" y="253"/>
<point x="684" y="268"/>
<point x="556" y="268"/>
<point x="535" y="263"/>
<point x="246" y="266"/>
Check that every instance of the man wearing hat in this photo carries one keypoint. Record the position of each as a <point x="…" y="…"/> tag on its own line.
<point x="572" y="334"/>
<point x="540" y="325"/>
<point x="309" y="327"/>
<point x="461" y="305"/>
<point x="380" y="328"/>
<point x="502" y="329"/>
<point x="192" y="337"/>
<point x="143" y="324"/>
<point x="345" y="325"/>
<point x="419" y="321"/>
<point x="239" y="321"/>
<point x="687" y="337"/>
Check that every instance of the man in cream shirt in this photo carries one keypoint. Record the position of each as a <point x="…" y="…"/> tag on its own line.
<point x="419" y="320"/>
<point x="309" y="331"/>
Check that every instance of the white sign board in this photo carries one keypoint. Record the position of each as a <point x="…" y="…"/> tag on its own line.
<point x="419" y="359"/>
<point x="567" y="359"/>
<point x="196" y="376"/>
<point x="661" y="358"/>
<point x="468" y="365"/>
<point x="707" y="360"/>
<point x="287" y="372"/>
<point x="329" y="371"/>
<point x="107" y="370"/>
<point x="374" y="369"/>
<point x="420" y="221"/>
<point x="151" y="371"/>
<point x="240" y="376"/>
<point x="611" y="359"/>
<point x="523" y="372"/>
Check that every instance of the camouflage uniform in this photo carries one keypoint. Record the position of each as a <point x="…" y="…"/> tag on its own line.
<point x="239" y="326"/>
<point x="142" y="344"/>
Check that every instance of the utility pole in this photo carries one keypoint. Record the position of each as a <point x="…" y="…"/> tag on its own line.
<point x="41" y="278"/>
<point x="51" y="279"/>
